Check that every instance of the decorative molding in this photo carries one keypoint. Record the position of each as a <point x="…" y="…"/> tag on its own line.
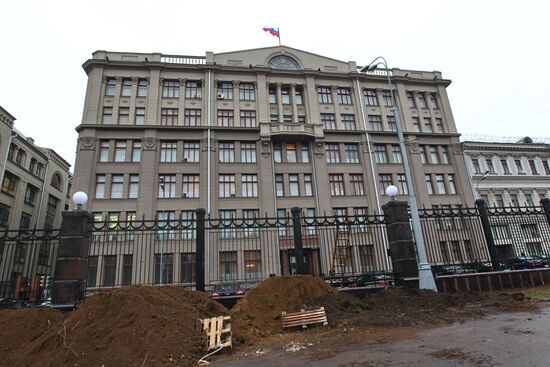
<point x="265" y="147"/>
<point x="456" y="148"/>
<point x="319" y="148"/>
<point x="87" y="143"/>
<point x="413" y="146"/>
<point x="150" y="143"/>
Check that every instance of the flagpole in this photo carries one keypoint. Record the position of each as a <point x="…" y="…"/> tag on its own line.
<point x="279" y="31"/>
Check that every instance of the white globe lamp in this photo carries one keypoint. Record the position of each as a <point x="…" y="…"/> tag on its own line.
<point x="392" y="191"/>
<point x="80" y="198"/>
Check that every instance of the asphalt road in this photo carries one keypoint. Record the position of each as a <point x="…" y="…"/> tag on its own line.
<point x="507" y="339"/>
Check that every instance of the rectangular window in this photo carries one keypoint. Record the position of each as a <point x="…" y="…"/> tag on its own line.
<point x="519" y="166"/>
<point x="127" y="262"/>
<point x="226" y="186"/>
<point x="117" y="186"/>
<point x="120" y="151"/>
<point x="248" y="118"/>
<point x="305" y="153"/>
<point x="294" y="185"/>
<point x="381" y="154"/>
<point x="226" y="152"/>
<point x="124" y="115"/>
<point x="392" y="123"/>
<point x="110" y="87"/>
<point x="428" y="125"/>
<point x="530" y="230"/>
<point x="299" y="96"/>
<point x="164" y="267"/>
<point x="332" y="151"/>
<point x="402" y="184"/>
<point x="352" y="153"/>
<point x="490" y="166"/>
<point x="188" y="267"/>
<point x="193" y="89"/>
<point x="250" y="219"/>
<point x="421" y="101"/>
<point x="166" y="221"/>
<point x="126" y="90"/>
<point x="249" y="186"/>
<point x="396" y="154"/>
<point x="328" y="120"/>
<point x="429" y="184"/>
<point x="191" y="152"/>
<point x="445" y="158"/>
<point x="546" y="167"/>
<point x="140" y="116"/>
<point x="291" y="154"/>
<point x="505" y="167"/>
<point x="247" y="92"/>
<point x="440" y="183"/>
<point x="477" y="168"/>
<point x="277" y="153"/>
<point x="225" y="90"/>
<point x="385" y="181"/>
<point x="514" y="200"/>
<point x="348" y="121"/>
<point x="423" y="157"/>
<point x="248" y="152"/>
<point x="439" y="125"/>
<point x="133" y="189"/>
<point x="192" y="117"/>
<point x="25" y="222"/>
<point x="375" y="122"/>
<point x="136" y="151"/>
<point x="433" y="101"/>
<point x="344" y="95"/>
<point x="169" y="116"/>
<point x="227" y="220"/>
<point x="168" y="151"/>
<point x="533" y="167"/>
<point x="434" y="157"/>
<point x="273" y="117"/>
<point x="370" y="97"/>
<point x="279" y="186"/>
<point x="107" y="115"/>
<point x="308" y="186"/>
<point x="225" y="118"/>
<point x="30" y="195"/>
<point x="228" y="265"/>
<point x="252" y="264"/>
<point x="167" y="186"/>
<point x="287" y="118"/>
<point x="336" y="184"/>
<point x="529" y="200"/>
<point x="416" y="124"/>
<point x="190" y="186"/>
<point x="499" y="200"/>
<point x="51" y="210"/>
<point x="104" y="151"/>
<point x="451" y="182"/>
<point x="410" y="100"/>
<point x="324" y="95"/>
<point x="109" y="270"/>
<point x="388" y="98"/>
<point x="272" y="94"/>
<point x="357" y="186"/>
<point x="170" y="89"/>
<point x="91" y="275"/>
<point x="142" y="88"/>
<point x="187" y="218"/>
<point x="100" y="187"/>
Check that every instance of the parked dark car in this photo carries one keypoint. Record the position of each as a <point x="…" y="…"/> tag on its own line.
<point x="525" y="262"/>
<point x="228" y="290"/>
<point x="373" y="280"/>
<point x="6" y="303"/>
<point x="452" y="269"/>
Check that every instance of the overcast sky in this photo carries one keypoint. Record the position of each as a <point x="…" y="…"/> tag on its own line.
<point x="497" y="53"/>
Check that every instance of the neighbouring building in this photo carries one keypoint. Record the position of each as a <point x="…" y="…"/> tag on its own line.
<point x="256" y="132"/>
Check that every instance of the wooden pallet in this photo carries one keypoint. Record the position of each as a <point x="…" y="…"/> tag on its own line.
<point x="304" y="318"/>
<point x="218" y="332"/>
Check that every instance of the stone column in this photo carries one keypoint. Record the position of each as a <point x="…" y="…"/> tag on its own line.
<point x="69" y="286"/>
<point x="293" y="101"/>
<point x="337" y="116"/>
<point x="236" y="104"/>
<point x="279" y="102"/>
<point x="181" y="102"/>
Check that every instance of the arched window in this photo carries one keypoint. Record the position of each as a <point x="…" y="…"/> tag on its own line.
<point x="56" y="181"/>
<point x="283" y="62"/>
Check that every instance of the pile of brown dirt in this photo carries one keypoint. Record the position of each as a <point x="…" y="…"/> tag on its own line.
<point x="259" y="313"/>
<point x="133" y="326"/>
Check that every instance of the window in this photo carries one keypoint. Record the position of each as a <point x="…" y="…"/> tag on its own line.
<point x="164" y="268"/>
<point x="429" y="184"/>
<point x="433" y="101"/>
<point x="340" y="212"/>
<point x="546" y="167"/>
<point x="127" y="261"/>
<point x="451" y="182"/>
<point x="247" y="92"/>
<point x="416" y="124"/>
<point x="252" y="264"/>
<point x="357" y="186"/>
<point x="519" y="166"/>
<point x="499" y="201"/>
<point x="475" y="163"/>
<point x="249" y="186"/>
<point x="533" y="167"/>
<point x="110" y="87"/>
<point x="445" y="158"/>
<point x="226" y="186"/>
<point x="421" y="101"/>
<point x="225" y="89"/>
<point x="501" y="231"/>
<point x="410" y="100"/>
<point x="109" y="270"/>
<point x="107" y="115"/>
<point x="434" y="157"/>
<point x="104" y="151"/>
<point x="279" y="186"/>
<point x="25" y="222"/>
<point x="348" y="121"/>
<point x="248" y="152"/>
<point x="136" y="151"/>
<point x="228" y="265"/>
<point x="9" y="183"/>
<point x="385" y="181"/>
<point x="299" y="96"/>
<point x="332" y="153"/>
<point x="169" y="116"/>
<point x="287" y="118"/>
<point x="193" y="89"/>
<point x="427" y="125"/>
<point x="51" y="209"/>
<point x="227" y="219"/>
<point x="167" y="186"/>
<point x="344" y="95"/>
<point x="530" y="230"/>
<point x="192" y="117"/>
<point x="505" y="167"/>
<point x="120" y="151"/>
<point x="225" y="118"/>
<point x="188" y="267"/>
<point x="30" y="195"/>
<point x="285" y="95"/>
<point x="190" y="186"/>
<point x="226" y="152"/>
<point x="294" y="185"/>
<point x="272" y="94"/>
<point x="402" y="184"/>
<point x="91" y="275"/>
<point x="308" y="186"/>
<point x="336" y="184"/>
<point x="168" y="151"/>
<point x="305" y="153"/>
<point x="126" y="90"/>
<point x="166" y="223"/>
<point x="191" y="152"/>
<point x="440" y="183"/>
<point x="529" y="200"/>
<point x="514" y="200"/>
<point x="100" y="187"/>
<point x="370" y="97"/>
<point x="388" y="98"/>
<point x="133" y="188"/>
<point x="328" y="121"/>
<point x="250" y="217"/>
<point x="142" y="88"/>
<point x="352" y="153"/>
<point x="171" y="89"/>
<point x="291" y="156"/>
<point x="324" y="95"/>
<point x="277" y="154"/>
<point x="188" y="224"/>
<point x="273" y="117"/>
<point x="117" y="186"/>
<point x="392" y="123"/>
<point x="140" y="116"/>
<point x="396" y="154"/>
<point x="490" y="166"/>
<point x="439" y="125"/>
<point x="19" y="156"/>
<point x="381" y="154"/>
<point x="248" y="118"/>
<point x="32" y="165"/>
<point x="423" y="157"/>
<point x="375" y="122"/>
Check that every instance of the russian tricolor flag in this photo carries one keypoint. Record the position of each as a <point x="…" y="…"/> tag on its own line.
<point x="272" y="31"/>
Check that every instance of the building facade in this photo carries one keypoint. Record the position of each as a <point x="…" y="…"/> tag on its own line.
<point x="256" y="132"/>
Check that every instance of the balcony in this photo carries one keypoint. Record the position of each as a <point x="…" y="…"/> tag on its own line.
<point x="290" y="130"/>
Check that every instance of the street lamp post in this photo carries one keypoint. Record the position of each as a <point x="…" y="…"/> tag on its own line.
<point x="483" y="177"/>
<point x="161" y="265"/>
<point x="425" y="275"/>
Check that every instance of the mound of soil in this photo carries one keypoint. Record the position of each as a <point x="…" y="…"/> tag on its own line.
<point x="132" y="326"/>
<point x="259" y="313"/>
